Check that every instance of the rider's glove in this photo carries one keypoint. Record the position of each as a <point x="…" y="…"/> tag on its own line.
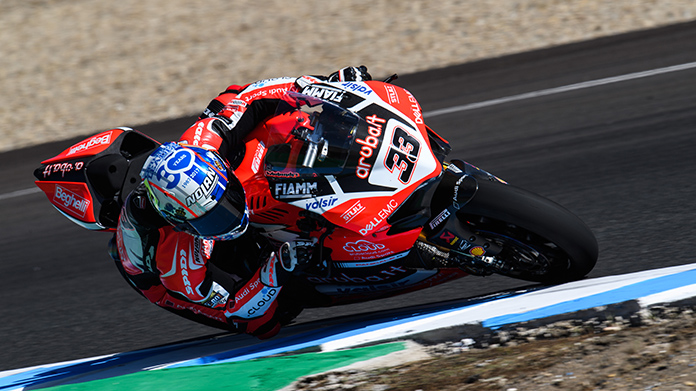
<point x="296" y="255"/>
<point x="351" y="74"/>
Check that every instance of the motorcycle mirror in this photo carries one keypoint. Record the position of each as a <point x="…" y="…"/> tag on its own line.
<point x="391" y="78"/>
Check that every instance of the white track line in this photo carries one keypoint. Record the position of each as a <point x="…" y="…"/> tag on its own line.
<point x="20" y="193"/>
<point x="493" y="102"/>
<point x="558" y="90"/>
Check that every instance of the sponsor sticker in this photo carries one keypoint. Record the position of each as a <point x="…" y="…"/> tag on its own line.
<point x="365" y="250"/>
<point x="295" y="190"/>
<point x="362" y="246"/>
<point x="387" y="274"/>
<point x="392" y="96"/>
<point x="63" y="168"/>
<point x="353" y="211"/>
<point x="440" y="218"/>
<point x="258" y="155"/>
<point x="369" y="145"/>
<point x="477" y="251"/>
<point x="415" y="108"/>
<point x="368" y="287"/>
<point x="324" y="92"/>
<point x="204" y="190"/>
<point x="380" y="217"/>
<point x="320" y="203"/>
<point x="357" y="87"/>
<point x="76" y="204"/>
<point x="92" y="142"/>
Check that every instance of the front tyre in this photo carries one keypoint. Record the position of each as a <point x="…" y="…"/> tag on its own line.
<point x="541" y="241"/>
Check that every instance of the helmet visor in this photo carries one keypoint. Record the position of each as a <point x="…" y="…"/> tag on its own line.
<point x="227" y="220"/>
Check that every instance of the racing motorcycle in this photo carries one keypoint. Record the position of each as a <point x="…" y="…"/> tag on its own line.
<point x="353" y="166"/>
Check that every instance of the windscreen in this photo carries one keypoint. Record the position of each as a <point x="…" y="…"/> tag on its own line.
<point x="319" y="140"/>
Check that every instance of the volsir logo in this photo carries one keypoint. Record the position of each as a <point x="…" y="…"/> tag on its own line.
<point x="320" y="203"/>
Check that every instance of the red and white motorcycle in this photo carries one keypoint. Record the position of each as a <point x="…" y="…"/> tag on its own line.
<point x="354" y="166"/>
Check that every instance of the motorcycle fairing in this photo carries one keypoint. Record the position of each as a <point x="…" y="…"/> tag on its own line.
<point x="347" y="289"/>
<point x="357" y="175"/>
<point x="73" y="200"/>
<point x="367" y="166"/>
<point x="355" y="249"/>
<point x="344" y="284"/>
<point x="88" y="182"/>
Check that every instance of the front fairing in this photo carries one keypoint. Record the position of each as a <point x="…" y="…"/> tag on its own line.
<point x="354" y="170"/>
<point x="359" y="156"/>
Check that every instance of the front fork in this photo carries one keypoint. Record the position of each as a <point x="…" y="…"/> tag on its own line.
<point x="470" y="251"/>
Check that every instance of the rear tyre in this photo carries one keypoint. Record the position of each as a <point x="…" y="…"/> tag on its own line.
<point x="541" y="241"/>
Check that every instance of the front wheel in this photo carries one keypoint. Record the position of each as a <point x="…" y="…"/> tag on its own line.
<point x="540" y="240"/>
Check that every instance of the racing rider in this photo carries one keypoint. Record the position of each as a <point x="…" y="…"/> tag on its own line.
<point x="183" y="238"/>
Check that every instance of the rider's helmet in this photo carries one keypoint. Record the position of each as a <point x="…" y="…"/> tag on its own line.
<point x="196" y="191"/>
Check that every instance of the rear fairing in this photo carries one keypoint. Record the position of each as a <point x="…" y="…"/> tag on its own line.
<point x="89" y="181"/>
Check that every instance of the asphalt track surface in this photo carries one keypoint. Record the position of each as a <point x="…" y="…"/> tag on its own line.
<point x="620" y="154"/>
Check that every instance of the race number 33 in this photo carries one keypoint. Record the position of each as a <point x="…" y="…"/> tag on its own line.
<point x="403" y="154"/>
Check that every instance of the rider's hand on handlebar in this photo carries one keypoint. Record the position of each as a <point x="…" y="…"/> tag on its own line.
<point x="351" y="74"/>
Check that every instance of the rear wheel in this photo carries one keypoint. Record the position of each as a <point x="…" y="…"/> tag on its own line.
<point x="540" y="240"/>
